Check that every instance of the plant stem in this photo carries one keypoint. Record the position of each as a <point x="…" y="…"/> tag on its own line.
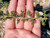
<point x="28" y="18"/>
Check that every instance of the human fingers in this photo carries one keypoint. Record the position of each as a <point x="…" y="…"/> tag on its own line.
<point x="9" y="23"/>
<point x="29" y="7"/>
<point x="20" y="7"/>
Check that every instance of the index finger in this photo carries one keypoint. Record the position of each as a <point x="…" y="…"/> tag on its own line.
<point x="9" y="23"/>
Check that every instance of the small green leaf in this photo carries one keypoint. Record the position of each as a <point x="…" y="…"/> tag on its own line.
<point x="1" y="2"/>
<point x="37" y="14"/>
<point x="1" y="18"/>
<point x="14" y="19"/>
<point x="43" y="23"/>
<point x="29" y="13"/>
<point x="32" y="21"/>
<point x="13" y="14"/>
<point x="7" y="17"/>
<point x="6" y="5"/>
<point x="44" y="11"/>
<point x="22" y="12"/>
<point x="7" y="12"/>
<point x="1" y="13"/>
<point x="45" y="15"/>
<point x="18" y="21"/>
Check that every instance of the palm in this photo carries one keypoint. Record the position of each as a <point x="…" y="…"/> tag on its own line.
<point x="23" y="29"/>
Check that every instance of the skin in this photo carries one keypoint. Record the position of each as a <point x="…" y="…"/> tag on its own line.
<point x="23" y="29"/>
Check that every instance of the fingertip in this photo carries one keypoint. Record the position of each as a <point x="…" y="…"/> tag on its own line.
<point x="12" y="6"/>
<point x="20" y="6"/>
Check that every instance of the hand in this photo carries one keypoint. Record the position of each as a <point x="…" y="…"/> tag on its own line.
<point x="23" y="29"/>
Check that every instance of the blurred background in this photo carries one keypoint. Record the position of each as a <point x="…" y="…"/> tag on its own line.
<point x="39" y="5"/>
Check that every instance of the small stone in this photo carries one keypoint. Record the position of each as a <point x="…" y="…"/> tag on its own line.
<point x="41" y="13"/>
